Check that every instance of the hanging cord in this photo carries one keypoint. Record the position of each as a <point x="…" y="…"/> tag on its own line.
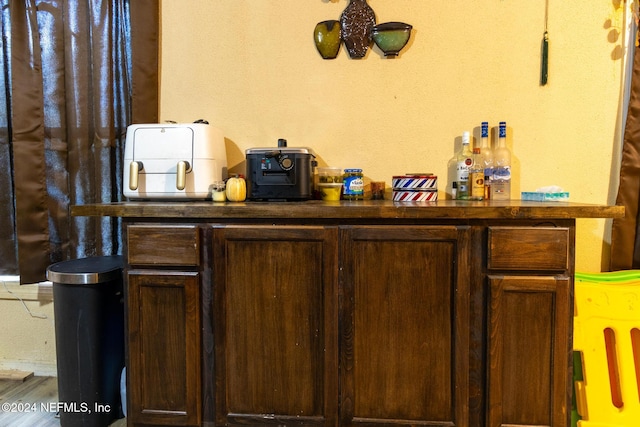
<point x="544" y="62"/>
<point x="36" y="316"/>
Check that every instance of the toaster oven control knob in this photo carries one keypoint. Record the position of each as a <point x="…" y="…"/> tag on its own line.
<point x="134" y="172"/>
<point x="285" y="162"/>
<point x="181" y="177"/>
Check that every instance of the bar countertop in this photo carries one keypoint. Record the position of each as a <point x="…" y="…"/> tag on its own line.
<point x="368" y="209"/>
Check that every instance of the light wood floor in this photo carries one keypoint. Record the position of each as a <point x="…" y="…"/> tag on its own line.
<point x="27" y="403"/>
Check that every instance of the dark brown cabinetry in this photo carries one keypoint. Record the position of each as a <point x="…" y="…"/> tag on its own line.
<point x="275" y="325"/>
<point x="164" y="386"/>
<point x="366" y="314"/>
<point x="529" y="333"/>
<point x="528" y="351"/>
<point x="404" y="326"/>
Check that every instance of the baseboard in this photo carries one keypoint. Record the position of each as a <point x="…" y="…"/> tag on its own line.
<point x="39" y="369"/>
<point x="15" y="375"/>
<point x="10" y="289"/>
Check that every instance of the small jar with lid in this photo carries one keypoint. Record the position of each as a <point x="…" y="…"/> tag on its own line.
<point x="218" y="191"/>
<point x="353" y="184"/>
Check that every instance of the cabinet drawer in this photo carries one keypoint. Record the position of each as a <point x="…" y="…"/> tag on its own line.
<point x="528" y="248"/>
<point x="163" y="245"/>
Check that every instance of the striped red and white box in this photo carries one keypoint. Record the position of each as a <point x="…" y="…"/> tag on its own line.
<point x="415" y="182"/>
<point x="414" y="196"/>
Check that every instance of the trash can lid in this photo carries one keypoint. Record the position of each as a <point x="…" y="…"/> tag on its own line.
<point x="86" y="271"/>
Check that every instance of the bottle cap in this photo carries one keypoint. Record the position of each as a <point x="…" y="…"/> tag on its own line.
<point x="503" y="130"/>
<point x="465" y="137"/>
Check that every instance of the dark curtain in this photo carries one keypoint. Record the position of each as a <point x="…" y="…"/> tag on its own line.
<point x="75" y="74"/>
<point x="625" y="236"/>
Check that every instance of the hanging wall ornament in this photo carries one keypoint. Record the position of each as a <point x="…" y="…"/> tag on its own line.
<point x="391" y="37"/>
<point x="544" y="60"/>
<point x="357" y="20"/>
<point x="328" y="37"/>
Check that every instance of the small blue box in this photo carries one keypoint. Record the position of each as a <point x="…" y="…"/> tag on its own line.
<point x="536" y="196"/>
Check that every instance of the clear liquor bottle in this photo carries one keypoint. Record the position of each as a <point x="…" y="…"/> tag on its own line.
<point x="463" y="163"/>
<point x="501" y="182"/>
<point x="487" y="158"/>
<point x="452" y="176"/>
<point x="476" y="176"/>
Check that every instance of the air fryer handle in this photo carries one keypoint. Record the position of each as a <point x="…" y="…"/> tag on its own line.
<point x="181" y="178"/>
<point x="134" y="172"/>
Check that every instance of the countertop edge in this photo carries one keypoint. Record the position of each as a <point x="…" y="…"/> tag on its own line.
<point x="448" y="209"/>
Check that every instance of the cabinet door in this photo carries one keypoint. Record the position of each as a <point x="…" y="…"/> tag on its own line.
<point x="275" y="325"/>
<point x="529" y="370"/>
<point x="404" y="327"/>
<point x="529" y="324"/>
<point x="164" y="348"/>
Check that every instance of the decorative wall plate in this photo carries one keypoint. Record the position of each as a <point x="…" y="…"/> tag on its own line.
<point x="391" y="37"/>
<point x="328" y="37"/>
<point x="358" y="20"/>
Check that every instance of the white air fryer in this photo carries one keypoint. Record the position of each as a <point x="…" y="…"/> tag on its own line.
<point x="173" y="161"/>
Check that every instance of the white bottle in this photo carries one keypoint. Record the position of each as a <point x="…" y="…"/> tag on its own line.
<point x="463" y="163"/>
<point x="487" y="157"/>
<point x="501" y="182"/>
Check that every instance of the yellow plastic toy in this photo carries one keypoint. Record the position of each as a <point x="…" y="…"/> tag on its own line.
<point x="607" y="337"/>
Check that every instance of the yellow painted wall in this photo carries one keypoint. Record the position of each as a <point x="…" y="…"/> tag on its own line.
<point x="250" y="67"/>
<point x="27" y="340"/>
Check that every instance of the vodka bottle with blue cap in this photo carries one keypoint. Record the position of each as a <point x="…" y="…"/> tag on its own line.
<point x="501" y="182"/>
<point x="487" y="157"/>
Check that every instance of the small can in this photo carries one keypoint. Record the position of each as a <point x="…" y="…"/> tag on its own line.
<point x="218" y="191"/>
<point x="353" y="184"/>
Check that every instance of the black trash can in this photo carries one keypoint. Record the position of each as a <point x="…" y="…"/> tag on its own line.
<point x="88" y="304"/>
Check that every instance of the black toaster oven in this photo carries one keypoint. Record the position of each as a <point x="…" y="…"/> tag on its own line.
<point x="280" y="173"/>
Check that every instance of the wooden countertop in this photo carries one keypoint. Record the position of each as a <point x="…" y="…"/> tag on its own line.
<point x="378" y="209"/>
